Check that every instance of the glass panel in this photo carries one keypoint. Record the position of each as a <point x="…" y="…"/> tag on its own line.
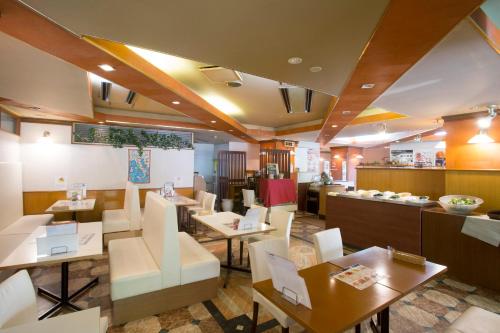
<point x="7" y="122"/>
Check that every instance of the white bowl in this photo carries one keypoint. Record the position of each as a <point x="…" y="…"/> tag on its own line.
<point x="459" y="209"/>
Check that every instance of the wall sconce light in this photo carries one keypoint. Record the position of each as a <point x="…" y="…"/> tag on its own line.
<point x="336" y="156"/>
<point x="484" y="124"/>
<point x="481" y="137"/>
<point x="45" y="138"/>
<point x="359" y="157"/>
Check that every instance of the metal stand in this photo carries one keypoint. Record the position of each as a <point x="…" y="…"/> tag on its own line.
<point x="64" y="301"/>
<point x="229" y="263"/>
<point x="382" y="325"/>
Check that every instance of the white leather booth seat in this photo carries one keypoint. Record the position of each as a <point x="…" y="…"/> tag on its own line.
<point x="115" y="221"/>
<point x="133" y="270"/>
<point x="27" y="224"/>
<point x="476" y="320"/>
<point x="197" y="263"/>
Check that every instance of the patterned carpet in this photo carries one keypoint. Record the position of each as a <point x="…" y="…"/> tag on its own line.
<point x="430" y="308"/>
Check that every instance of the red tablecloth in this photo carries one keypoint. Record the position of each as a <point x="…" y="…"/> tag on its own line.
<point x="277" y="191"/>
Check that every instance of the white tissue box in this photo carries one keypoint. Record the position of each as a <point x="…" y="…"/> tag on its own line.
<point x="56" y="244"/>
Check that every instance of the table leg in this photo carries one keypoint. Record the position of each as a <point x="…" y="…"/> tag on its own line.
<point x="64" y="300"/>
<point x="229" y="260"/>
<point x="382" y="325"/>
<point x="73" y="216"/>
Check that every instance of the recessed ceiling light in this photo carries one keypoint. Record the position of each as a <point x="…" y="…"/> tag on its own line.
<point x="440" y="133"/>
<point x="215" y="136"/>
<point x="334" y="126"/>
<point x="212" y="130"/>
<point x="213" y="121"/>
<point x="315" y="69"/>
<point x="367" y="85"/>
<point x="294" y="60"/>
<point x="231" y="130"/>
<point x="176" y="102"/>
<point x="106" y="67"/>
<point x="101" y="122"/>
<point x="345" y="113"/>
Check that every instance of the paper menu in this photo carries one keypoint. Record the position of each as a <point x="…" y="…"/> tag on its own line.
<point x="287" y="280"/>
<point x="359" y="276"/>
<point x="250" y="220"/>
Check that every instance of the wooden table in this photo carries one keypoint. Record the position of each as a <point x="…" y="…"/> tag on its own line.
<point x="86" y="321"/>
<point x="19" y="251"/>
<point x="336" y="306"/>
<point x="68" y="206"/>
<point x="219" y="222"/>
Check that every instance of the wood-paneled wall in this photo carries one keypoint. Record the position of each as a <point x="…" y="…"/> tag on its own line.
<point x="38" y="202"/>
<point x="435" y="183"/>
<point x="417" y="181"/>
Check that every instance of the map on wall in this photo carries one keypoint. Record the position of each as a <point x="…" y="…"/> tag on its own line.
<point x="139" y="166"/>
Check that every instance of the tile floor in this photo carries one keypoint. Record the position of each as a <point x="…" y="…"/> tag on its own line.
<point x="430" y="308"/>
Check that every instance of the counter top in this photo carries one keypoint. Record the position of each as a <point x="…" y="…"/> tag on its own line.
<point x="425" y="169"/>
<point x="428" y="203"/>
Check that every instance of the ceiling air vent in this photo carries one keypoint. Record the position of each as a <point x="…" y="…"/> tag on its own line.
<point x="105" y="90"/>
<point x="219" y="74"/>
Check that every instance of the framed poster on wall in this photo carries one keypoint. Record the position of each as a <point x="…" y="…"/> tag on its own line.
<point x="139" y="166"/>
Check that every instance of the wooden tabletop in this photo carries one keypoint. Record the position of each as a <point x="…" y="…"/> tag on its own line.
<point x="401" y="276"/>
<point x="219" y="222"/>
<point x="19" y="250"/>
<point x="180" y="200"/>
<point x="336" y="306"/>
<point x="64" y="206"/>
<point x="85" y="321"/>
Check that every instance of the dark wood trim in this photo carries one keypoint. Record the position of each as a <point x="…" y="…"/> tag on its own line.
<point x="470" y="115"/>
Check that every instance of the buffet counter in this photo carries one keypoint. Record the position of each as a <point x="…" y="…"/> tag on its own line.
<point x="366" y="222"/>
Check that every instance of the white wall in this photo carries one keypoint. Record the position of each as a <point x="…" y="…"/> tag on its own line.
<point x="204" y="160"/>
<point x="9" y="147"/>
<point x="100" y="167"/>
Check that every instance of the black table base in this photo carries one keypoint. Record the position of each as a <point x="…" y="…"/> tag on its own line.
<point x="229" y="263"/>
<point x="64" y="300"/>
<point x="382" y="325"/>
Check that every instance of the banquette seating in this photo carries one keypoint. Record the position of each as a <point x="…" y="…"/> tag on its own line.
<point x="162" y="270"/>
<point x="18" y="292"/>
<point x="12" y="220"/>
<point x="126" y="222"/>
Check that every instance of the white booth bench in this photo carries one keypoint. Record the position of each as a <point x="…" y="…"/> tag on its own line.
<point x="162" y="270"/>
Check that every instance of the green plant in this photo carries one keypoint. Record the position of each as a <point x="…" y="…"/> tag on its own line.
<point x="119" y="137"/>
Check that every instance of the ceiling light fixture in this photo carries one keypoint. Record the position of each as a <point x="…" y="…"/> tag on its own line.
<point x="106" y="67"/>
<point x="105" y="90"/>
<point x="367" y="85"/>
<point x="176" y="102"/>
<point x="440" y="133"/>
<point x="308" y="101"/>
<point x="345" y="113"/>
<point x="481" y="137"/>
<point x="335" y="126"/>
<point x="286" y="99"/>
<point x="130" y="97"/>
<point x="213" y="121"/>
<point x="359" y="157"/>
<point x="294" y="60"/>
<point x="45" y="138"/>
<point x="315" y="69"/>
<point x="231" y="130"/>
<point x="101" y="122"/>
<point x="484" y="124"/>
<point x="336" y="156"/>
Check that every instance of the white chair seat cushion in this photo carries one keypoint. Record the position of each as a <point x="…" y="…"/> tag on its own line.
<point x="475" y="320"/>
<point x="197" y="263"/>
<point x="132" y="269"/>
<point x="279" y="315"/>
<point x="260" y="237"/>
<point x="27" y="224"/>
<point x="114" y="221"/>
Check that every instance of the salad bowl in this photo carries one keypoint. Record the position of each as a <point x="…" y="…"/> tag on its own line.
<point x="460" y="204"/>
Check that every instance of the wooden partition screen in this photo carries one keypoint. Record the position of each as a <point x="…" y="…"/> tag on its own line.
<point x="281" y="157"/>
<point x="231" y="172"/>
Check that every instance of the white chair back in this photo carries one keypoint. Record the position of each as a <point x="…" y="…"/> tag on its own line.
<point x="209" y="202"/>
<point x="257" y="252"/>
<point x="160" y="233"/>
<point x="17" y="300"/>
<point x="328" y="245"/>
<point x="282" y="221"/>
<point x="248" y="198"/>
<point x="262" y="212"/>
<point x="200" y="197"/>
<point x="132" y="206"/>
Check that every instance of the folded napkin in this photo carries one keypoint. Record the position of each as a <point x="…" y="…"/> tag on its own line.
<point x="482" y="228"/>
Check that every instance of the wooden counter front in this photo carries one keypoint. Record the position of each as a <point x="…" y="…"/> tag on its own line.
<point x="467" y="258"/>
<point x="366" y="223"/>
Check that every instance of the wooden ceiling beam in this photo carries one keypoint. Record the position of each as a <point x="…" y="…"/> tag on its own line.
<point x="131" y="71"/>
<point x="118" y="119"/>
<point x="407" y="31"/>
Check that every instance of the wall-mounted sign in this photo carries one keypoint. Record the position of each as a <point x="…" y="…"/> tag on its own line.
<point x="289" y="144"/>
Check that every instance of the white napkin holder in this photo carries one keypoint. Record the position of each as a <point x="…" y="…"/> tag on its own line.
<point x="56" y="244"/>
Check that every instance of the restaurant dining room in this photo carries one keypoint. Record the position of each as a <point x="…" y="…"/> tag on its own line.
<point x="318" y="166"/>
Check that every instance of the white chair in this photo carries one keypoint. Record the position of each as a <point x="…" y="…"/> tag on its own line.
<point x="248" y="198"/>
<point x="208" y="207"/>
<point x="475" y="320"/>
<point x="261" y="272"/>
<point x="163" y="264"/>
<point x="128" y="218"/>
<point x="282" y="221"/>
<point x="328" y="245"/>
<point x="18" y="302"/>
<point x="262" y="219"/>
